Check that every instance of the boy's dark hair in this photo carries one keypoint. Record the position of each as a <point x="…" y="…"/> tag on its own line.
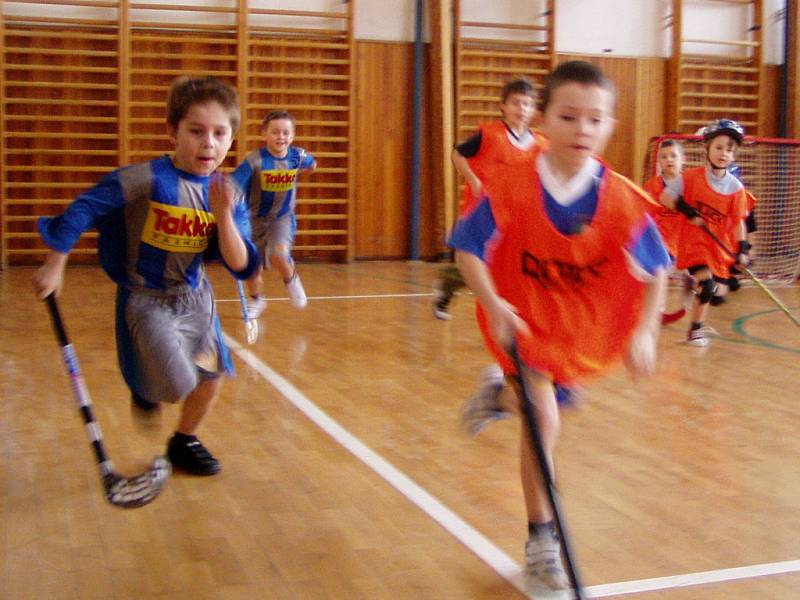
<point x="574" y="71"/>
<point x="278" y="114"/>
<point x="669" y="142"/>
<point x="521" y="85"/>
<point x="187" y="91"/>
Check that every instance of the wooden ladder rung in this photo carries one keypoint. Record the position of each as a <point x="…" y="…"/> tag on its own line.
<point x="510" y="26"/>
<point x="726" y="82"/>
<point x="502" y="42"/>
<point x="740" y="43"/>
<point x="700" y="122"/>
<point x="506" y="55"/>
<point x="505" y="70"/>
<point x="721" y="96"/>
<point x="719" y="109"/>
<point x="322" y="232"/>
<point x="717" y="67"/>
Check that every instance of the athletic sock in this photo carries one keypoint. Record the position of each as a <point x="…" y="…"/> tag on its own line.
<point x="696" y="325"/>
<point x="538" y="529"/>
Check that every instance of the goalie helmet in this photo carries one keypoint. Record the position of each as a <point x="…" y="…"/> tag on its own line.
<point x="724" y="127"/>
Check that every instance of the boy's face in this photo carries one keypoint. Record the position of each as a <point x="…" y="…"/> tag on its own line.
<point x="722" y="151"/>
<point x="202" y="139"/>
<point x="578" y="122"/>
<point x="670" y="160"/>
<point x="518" y="109"/>
<point x="279" y="134"/>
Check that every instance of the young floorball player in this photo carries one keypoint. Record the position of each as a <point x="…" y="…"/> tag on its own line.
<point x="709" y="196"/>
<point x="269" y="178"/>
<point x="669" y="161"/>
<point x="508" y="139"/>
<point x="564" y="259"/>
<point x="159" y="222"/>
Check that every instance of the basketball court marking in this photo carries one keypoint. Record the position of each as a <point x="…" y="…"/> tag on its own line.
<point x="475" y="541"/>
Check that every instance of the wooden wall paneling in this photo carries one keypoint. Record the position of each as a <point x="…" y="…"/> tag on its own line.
<point x="60" y="110"/>
<point x="650" y="101"/>
<point x="441" y="132"/>
<point x="383" y="149"/>
<point x="301" y="61"/>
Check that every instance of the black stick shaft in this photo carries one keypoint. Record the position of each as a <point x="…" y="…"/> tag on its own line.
<point x="78" y="385"/>
<point x="751" y="275"/>
<point x="547" y="476"/>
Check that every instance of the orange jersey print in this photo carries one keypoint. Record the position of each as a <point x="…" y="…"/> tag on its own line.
<point x="575" y="292"/>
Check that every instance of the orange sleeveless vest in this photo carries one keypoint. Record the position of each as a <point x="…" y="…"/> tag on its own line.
<point x="575" y="292"/>
<point x="495" y="149"/>
<point x="668" y="221"/>
<point x="721" y="212"/>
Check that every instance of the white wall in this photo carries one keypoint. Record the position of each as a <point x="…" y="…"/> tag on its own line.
<point x="618" y="27"/>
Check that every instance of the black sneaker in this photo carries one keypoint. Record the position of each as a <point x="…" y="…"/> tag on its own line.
<point x="143" y="404"/>
<point x="188" y="454"/>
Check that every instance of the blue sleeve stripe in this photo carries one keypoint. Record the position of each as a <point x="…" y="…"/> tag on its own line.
<point x="648" y="250"/>
<point x="473" y="233"/>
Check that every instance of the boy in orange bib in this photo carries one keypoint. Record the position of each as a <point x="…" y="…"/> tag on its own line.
<point x="709" y="196"/>
<point x="563" y="257"/>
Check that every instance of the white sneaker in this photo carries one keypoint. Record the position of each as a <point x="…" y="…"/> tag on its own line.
<point x="484" y="406"/>
<point x="297" y="294"/>
<point x="543" y="564"/>
<point x="698" y="338"/>
<point x="256" y="306"/>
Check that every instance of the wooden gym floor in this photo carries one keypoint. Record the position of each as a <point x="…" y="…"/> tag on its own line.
<point x="681" y="487"/>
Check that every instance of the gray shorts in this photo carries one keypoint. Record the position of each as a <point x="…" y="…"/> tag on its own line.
<point x="274" y="237"/>
<point x="172" y="342"/>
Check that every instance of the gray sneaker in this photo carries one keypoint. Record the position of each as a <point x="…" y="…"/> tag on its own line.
<point x="543" y="564"/>
<point x="484" y="406"/>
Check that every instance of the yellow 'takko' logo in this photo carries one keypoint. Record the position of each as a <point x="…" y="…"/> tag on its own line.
<point x="278" y="180"/>
<point x="177" y="229"/>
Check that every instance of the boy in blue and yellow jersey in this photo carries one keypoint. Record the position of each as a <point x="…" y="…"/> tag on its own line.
<point x="710" y="196"/>
<point x="268" y="177"/>
<point x="563" y="258"/>
<point x="159" y="222"/>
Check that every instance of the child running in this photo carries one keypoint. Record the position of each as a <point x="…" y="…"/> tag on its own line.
<point x="268" y="177"/>
<point x="159" y="222"/>
<point x="507" y="140"/>
<point x="710" y="197"/>
<point x="669" y="165"/>
<point x="565" y="262"/>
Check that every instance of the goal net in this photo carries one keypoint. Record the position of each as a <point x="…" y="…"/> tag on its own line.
<point x="770" y="169"/>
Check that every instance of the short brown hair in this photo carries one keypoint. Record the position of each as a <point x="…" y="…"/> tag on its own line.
<point x="521" y="85"/>
<point x="187" y="91"/>
<point x="278" y="114"/>
<point x="575" y="71"/>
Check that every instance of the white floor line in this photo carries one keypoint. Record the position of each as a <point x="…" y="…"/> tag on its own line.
<point x="690" y="579"/>
<point x="475" y="541"/>
<point x="460" y="529"/>
<point x="343" y="297"/>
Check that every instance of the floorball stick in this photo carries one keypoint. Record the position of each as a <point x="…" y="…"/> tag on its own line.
<point x="120" y="491"/>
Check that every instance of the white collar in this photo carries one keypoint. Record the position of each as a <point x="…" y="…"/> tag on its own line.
<point x="567" y="193"/>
